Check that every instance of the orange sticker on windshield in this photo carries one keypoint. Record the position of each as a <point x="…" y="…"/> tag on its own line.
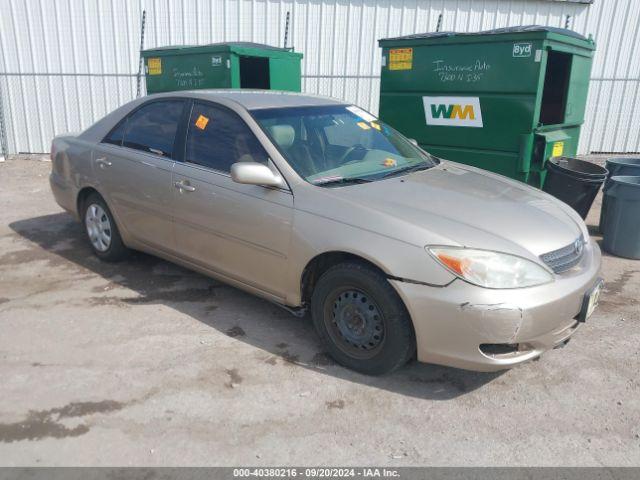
<point x="201" y="122"/>
<point x="389" y="162"/>
<point x="363" y="126"/>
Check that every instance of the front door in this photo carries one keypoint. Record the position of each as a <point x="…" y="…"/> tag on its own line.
<point x="239" y="231"/>
<point x="134" y="165"/>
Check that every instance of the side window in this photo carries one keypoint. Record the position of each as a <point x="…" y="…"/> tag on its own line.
<point x="218" y="138"/>
<point x="117" y="134"/>
<point x="151" y="128"/>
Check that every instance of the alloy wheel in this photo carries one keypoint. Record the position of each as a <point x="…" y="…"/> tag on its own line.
<point x="98" y="227"/>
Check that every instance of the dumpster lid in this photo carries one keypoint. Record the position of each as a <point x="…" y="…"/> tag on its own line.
<point x="495" y="31"/>
<point x="259" y="46"/>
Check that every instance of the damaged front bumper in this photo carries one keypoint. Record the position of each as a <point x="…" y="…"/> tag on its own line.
<point x="466" y="326"/>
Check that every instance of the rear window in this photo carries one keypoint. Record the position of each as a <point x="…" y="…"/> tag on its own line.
<point x="151" y="128"/>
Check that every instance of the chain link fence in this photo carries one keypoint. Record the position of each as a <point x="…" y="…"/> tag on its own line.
<point x="42" y="106"/>
<point x="4" y="147"/>
<point x="64" y="65"/>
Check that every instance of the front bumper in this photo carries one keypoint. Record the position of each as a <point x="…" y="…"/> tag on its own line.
<point x="451" y="323"/>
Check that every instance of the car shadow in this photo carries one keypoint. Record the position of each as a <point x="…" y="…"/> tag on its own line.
<point x="284" y="338"/>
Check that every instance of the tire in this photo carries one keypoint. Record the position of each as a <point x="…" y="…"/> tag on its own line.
<point x="361" y="320"/>
<point x="101" y="230"/>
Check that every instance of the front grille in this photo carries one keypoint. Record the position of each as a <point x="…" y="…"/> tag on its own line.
<point x="564" y="258"/>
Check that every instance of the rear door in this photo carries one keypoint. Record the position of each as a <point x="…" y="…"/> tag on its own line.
<point x="133" y="166"/>
<point x="240" y="231"/>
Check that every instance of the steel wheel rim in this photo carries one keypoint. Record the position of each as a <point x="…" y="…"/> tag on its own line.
<point x="355" y="322"/>
<point x="98" y="227"/>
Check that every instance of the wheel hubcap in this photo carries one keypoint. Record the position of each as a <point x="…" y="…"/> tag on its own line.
<point x="357" y="321"/>
<point x="98" y="227"/>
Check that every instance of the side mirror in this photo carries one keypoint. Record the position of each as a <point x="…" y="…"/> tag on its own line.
<point x="413" y="140"/>
<point x="252" y="173"/>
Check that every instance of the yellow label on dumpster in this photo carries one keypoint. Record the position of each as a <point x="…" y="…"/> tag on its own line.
<point x="558" y="148"/>
<point x="154" y="65"/>
<point x="401" y="59"/>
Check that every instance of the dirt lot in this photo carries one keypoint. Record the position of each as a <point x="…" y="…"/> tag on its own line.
<point x="145" y="363"/>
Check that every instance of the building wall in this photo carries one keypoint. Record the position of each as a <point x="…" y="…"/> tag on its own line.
<point x="66" y="63"/>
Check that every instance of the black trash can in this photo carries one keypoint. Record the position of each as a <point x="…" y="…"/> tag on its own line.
<point x="575" y="182"/>
<point x="619" y="166"/>
<point x="622" y="219"/>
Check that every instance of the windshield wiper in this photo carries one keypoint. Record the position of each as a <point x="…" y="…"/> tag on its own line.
<point x="343" y="181"/>
<point x="412" y="168"/>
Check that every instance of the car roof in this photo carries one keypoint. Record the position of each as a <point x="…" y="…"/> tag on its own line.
<point x="244" y="99"/>
<point x="256" y="99"/>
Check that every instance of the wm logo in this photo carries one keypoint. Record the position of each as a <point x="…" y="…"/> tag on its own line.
<point x="453" y="111"/>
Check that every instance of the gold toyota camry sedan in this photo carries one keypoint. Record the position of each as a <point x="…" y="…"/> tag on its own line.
<point x="320" y="207"/>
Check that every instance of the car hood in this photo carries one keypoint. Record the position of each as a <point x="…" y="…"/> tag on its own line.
<point x="451" y="204"/>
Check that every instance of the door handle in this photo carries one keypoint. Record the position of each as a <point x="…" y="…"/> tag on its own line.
<point x="103" y="162"/>
<point x="184" y="186"/>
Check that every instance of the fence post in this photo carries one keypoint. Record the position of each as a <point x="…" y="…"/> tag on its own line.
<point x="286" y="30"/>
<point x="4" y="148"/>
<point x="439" y="23"/>
<point x="144" y="17"/>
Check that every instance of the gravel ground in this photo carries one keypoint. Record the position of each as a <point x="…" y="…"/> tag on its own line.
<point x="146" y="363"/>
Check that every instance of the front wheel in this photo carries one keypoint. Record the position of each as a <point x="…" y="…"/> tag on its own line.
<point x="362" y="320"/>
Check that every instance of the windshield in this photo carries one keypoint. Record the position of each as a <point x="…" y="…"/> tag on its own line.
<point x="336" y="144"/>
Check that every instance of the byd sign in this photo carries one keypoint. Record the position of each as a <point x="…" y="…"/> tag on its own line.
<point x="522" y="49"/>
<point x="453" y="111"/>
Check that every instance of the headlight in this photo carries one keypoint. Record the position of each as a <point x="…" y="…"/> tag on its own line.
<point x="491" y="269"/>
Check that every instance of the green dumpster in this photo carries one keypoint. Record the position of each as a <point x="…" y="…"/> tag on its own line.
<point x="505" y="100"/>
<point x="221" y="65"/>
